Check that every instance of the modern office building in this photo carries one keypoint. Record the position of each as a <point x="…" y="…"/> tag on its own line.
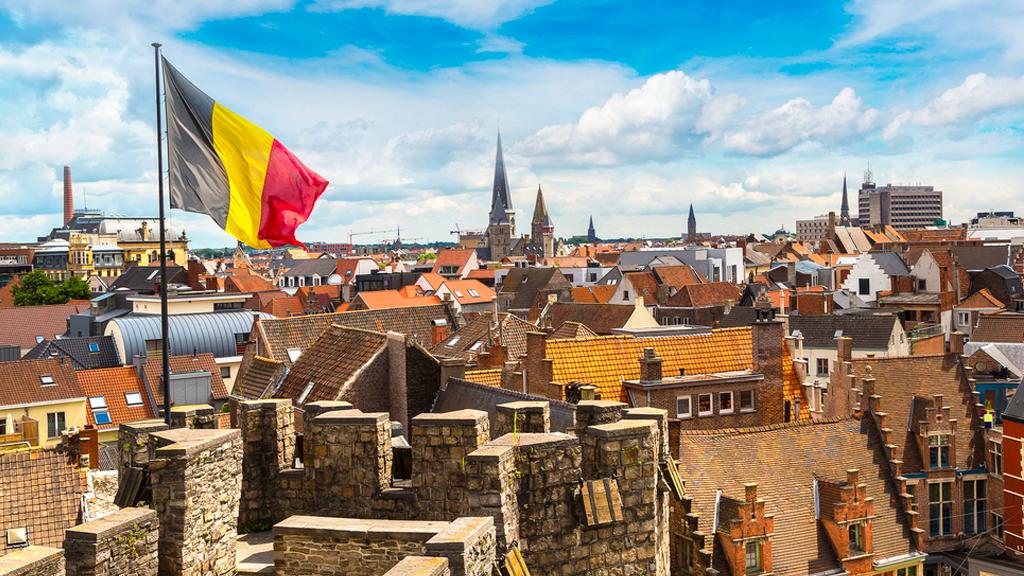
<point x="903" y="207"/>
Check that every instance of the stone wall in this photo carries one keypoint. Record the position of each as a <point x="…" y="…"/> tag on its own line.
<point x="264" y="424"/>
<point x="121" y="544"/>
<point x="33" y="561"/>
<point x="348" y="455"/>
<point x="420" y="566"/>
<point x="201" y="416"/>
<point x="522" y="417"/>
<point x="440" y="444"/>
<point x="197" y="481"/>
<point x="318" y="546"/>
<point x="135" y="443"/>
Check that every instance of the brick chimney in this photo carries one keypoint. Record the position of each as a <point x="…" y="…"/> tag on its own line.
<point x="650" y="366"/>
<point x="69" y="197"/>
<point x="956" y="343"/>
<point x="438" y="330"/>
<point x="767" y="339"/>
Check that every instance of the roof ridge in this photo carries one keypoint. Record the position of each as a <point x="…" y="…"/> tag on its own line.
<point x="269" y="360"/>
<point x="767" y="427"/>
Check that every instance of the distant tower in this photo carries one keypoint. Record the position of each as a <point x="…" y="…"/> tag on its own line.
<point x="591" y="233"/>
<point x="542" y="231"/>
<point x="69" y="197"/>
<point x="691" y="226"/>
<point x="844" y="210"/>
<point x="502" y="225"/>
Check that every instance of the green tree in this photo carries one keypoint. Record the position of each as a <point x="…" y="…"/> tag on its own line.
<point x="36" y="288"/>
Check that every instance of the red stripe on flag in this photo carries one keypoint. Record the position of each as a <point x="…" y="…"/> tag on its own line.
<point x="289" y="192"/>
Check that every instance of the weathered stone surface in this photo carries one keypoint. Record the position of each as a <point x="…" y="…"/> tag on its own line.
<point x="197" y="485"/>
<point x="121" y="544"/>
<point x="522" y="417"/>
<point x="33" y="561"/>
<point x="420" y="566"/>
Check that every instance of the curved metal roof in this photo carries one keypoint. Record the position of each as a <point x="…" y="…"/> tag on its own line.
<point x="188" y="333"/>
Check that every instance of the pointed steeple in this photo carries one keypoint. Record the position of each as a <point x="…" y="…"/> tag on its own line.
<point x="691" y="226"/>
<point x="540" y="211"/>
<point x="501" y="200"/>
<point x="591" y="232"/>
<point x="844" y="210"/>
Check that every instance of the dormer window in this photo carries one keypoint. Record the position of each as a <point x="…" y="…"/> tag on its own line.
<point x="856" y="539"/>
<point x="938" y="450"/>
<point x="753" y="557"/>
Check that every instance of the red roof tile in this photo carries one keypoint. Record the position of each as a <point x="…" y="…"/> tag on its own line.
<point x="32" y="381"/>
<point x="23" y="325"/>
<point x="112" y="384"/>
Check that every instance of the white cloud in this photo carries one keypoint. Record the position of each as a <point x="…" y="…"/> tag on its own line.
<point x="798" y="121"/>
<point x="669" y="112"/>
<point x="478" y="14"/>
<point x="137" y="14"/>
<point x="978" y="95"/>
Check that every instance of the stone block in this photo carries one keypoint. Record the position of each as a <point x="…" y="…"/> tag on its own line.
<point x="121" y="544"/>
<point x="33" y="561"/>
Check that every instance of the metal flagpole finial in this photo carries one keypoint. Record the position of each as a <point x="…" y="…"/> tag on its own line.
<point x="156" y="44"/>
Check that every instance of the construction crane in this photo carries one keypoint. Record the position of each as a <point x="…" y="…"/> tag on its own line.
<point x="351" y="234"/>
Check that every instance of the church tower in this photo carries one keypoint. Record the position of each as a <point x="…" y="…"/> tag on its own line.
<point x="501" y="227"/>
<point x="844" y="210"/>
<point x="691" y="227"/>
<point x="542" y="231"/>
<point x="591" y="233"/>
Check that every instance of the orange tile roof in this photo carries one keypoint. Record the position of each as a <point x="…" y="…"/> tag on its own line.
<point x="481" y="274"/>
<point x="490" y="377"/>
<point x="247" y="283"/>
<point x="981" y="299"/>
<point x="285" y="306"/>
<point x="434" y="280"/>
<point x="483" y="293"/>
<point x="679" y="276"/>
<point x="113" y="384"/>
<point x="453" y="257"/>
<point x="608" y="360"/>
<point x="792" y="389"/>
<point x="378" y="299"/>
<point x="645" y="285"/>
<point x="593" y="294"/>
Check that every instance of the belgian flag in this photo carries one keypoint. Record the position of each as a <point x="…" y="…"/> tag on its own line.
<point x="223" y="165"/>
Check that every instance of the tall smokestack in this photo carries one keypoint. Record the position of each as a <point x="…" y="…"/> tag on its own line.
<point x="69" y="196"/>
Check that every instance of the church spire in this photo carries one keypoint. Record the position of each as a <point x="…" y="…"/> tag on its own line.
<point x="591" y="232"/>
<point x="691" y="226"/>
<point x="844" y="210"/>
<point x="501" y="201"/>
<point x="540" y="211"/>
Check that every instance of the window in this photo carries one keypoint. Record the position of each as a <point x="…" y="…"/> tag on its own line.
<point x="225" y="371"/>
<point x="39" y="339"/>
<point x="864" y="286"/>
<point x="305" y="393"/>
<point x="683" y="408"/>
<point x="963" y="318"/>
<point x="241" y="337"/>
<point x="458" y="294"/>
<point x="975" y="498"/>
<point x="94" y="347"/>
<point x="54" y="424"/>
<point x="47" y="381"/>
<point x="995" y="449"/>
<point x="101" y="417"/>
<point x="856" y="539"/>
<point x="625" y="294"/>
<point x="133" y="398"/>
<point x="753" y="555"/>
<point x="3" y="426"/>
<point x="908" y="571"/>
<point x="822" y="366"/>
<point x="940" y="508"/>
<point x="997" y="525"/>
<point x="473" y="293"/>
<point x="454" y="341"/>
<point x="97" y="402"/>
<point x="704" y="405"/>
<point x="922" y="285"/>
<point x="938" y="450"/>
<point x="725" y="403"/>
<point x="746" y="400"/>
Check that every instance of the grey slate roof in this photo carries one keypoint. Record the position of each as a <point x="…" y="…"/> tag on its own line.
<point x="322" y="267"/>
<point x="890" y="263"/>
<point x="973" y="258"/>
<point x="200" y="333"/>
<point x="82" y="356"/>
<point x="868" y="332"/>
<point x="461" y="394"/>
<point x="145" y="278"/>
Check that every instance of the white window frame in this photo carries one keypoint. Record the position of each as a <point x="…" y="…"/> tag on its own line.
<point x="996" y="450"/>
<point x="963" y="318"/>
<point x="128" y="396"/>
<point x="753" y="401"/>
<point x="58" y="426"/>
<point x="47" y="380"/>
<point x="689" y="407"/>
<point x="732" y="402"/>
<point x="98" y="402"/>
<point x="711" y="405"/>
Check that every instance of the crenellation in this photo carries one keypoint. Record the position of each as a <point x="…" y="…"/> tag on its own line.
<point x="121" y="544"/>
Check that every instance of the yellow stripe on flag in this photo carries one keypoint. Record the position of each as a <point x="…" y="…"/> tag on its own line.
<point x="244" y="148"/>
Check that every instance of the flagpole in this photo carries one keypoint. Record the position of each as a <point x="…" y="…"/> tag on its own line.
<point x="163" y="244"/>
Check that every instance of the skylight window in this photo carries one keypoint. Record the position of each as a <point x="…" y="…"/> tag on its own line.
<point x="97" y="402"/>
<point x="475" y="347"/>
<point x="474" y="293"/>
<point x="133" y="398"/>
<point x="305" y="393"/>
<point x="458" y="294"/>
<point x="152" y="274"/>
<point x="39" y="339"/>
<point x="47" y="380"/>
<point x="101" y="417"/>
<point x="454" y="341"/>
<point x="94" y="347"/>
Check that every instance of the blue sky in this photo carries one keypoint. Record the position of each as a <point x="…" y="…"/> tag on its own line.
<point x="629" y="111"/>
